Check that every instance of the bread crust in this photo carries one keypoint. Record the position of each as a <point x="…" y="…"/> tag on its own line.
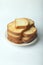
<point x="29" y="39"/>
<point x="11" y="28"/>
<point x="13" y="35"/>
<point x="24" y="34"/>
<point x="31" y="22"/>
<point x="20" y="41"/>
<point x="13" y="25"/>
<point x="25" y="26"/>
<point x="12" y="39"/>
<point x="21" y="34"/>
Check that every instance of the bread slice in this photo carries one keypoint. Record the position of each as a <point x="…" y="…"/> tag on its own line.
<point x="13" y="35"/>
<point x="30" y="31"/>
<point x="11" y="28"/>
<point x="22" y="23"/>
<point x="31" y="22"/>
<point x="12" y="39"/>
<point x="29" y="39"/>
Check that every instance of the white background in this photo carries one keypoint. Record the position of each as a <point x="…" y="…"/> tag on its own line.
<point x="9" y="53"/>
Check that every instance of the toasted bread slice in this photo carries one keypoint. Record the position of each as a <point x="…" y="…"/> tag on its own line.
<point x="12" y="39"/>
<point x="11" y="28"/>
<point x="30" y="31"/>
<point x="13" y="35"/>
<point x="29" y="39"/>
<point x="31" y="22"/>
<point x="22" y="23"/>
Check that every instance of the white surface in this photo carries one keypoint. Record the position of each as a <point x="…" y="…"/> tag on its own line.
<point x="13" y="55"/>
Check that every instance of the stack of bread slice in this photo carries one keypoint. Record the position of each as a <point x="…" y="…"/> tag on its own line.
<point x="21" y="30"/>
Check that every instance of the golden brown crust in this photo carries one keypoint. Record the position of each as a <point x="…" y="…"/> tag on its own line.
<point x="31" y="22"/>
<point x="29" y="39"/>
<point x="21" y="34"/>
<point x="18" y="32"/>
<point x="11" y="28"/>
<point x="19" y="22"/>
<point x="32" y="38"/>
<point x="13" y="35"/>
<point x="29" y="32"/>
<point x="19" y="41"/>
<point x="23" y="27"/>
<point x="12" y="39"/>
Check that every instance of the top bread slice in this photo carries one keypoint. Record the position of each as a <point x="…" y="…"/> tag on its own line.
<point x="11" y="27"/>
<point x="30" y="31"/>
<point x="22" y="23"/>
